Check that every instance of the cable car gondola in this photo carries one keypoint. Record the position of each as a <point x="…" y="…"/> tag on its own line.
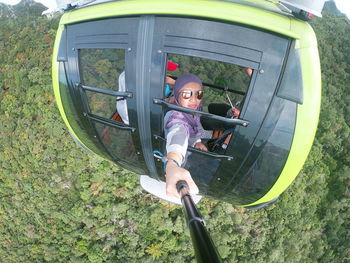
<point x="118" y="52"/>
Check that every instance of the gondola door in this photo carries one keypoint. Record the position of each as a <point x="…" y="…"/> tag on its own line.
<point x="228" y="43"/>
<point x="99" y="60"/>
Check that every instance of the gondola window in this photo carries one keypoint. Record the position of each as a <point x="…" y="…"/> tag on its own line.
<point x="102" y="73"/>
<point x="104" y="69"/>
<point x="225" y="85"/>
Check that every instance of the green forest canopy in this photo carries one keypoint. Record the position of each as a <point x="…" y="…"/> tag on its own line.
<point x="59" y="204"/>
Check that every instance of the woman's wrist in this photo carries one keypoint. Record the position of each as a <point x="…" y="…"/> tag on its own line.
<point x="173" y="161"/>
<point x="171" y="165"/>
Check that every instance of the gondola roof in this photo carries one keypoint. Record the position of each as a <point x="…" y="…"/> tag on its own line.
<point x="283" y="6"/>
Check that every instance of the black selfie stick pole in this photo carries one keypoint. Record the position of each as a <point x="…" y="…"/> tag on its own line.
<point x="204" y="248"/>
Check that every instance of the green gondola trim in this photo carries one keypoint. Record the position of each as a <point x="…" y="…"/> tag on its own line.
<point x="56" y="89"/>
<point x="306" y="125"/>
<point x="207" y="9"/>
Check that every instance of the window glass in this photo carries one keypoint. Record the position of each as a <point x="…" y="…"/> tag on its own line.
<point x="214" y="74"/>
<point x="120" y="144"/>
<point x="101" y="68"/>
<point x="101" y="105"/>
<point x="225" y="87"/>
<point x="104" y="69"/>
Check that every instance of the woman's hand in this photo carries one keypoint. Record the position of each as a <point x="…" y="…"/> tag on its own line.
<point x="175" y="174"/>
<point x="201" y="146"/>
<point x="235" y="112"/>
<point x="169" y="80"/>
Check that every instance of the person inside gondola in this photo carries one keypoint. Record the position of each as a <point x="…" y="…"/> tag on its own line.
<point x="181" y="130"/>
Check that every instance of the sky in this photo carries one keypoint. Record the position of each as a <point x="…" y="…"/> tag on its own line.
<point x="343" y="5"/>
<point x="48" y="3"/>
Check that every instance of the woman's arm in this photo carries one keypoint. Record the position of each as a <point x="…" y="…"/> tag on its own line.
<point x="177" y="142"/>
<point x="174" y="173"/>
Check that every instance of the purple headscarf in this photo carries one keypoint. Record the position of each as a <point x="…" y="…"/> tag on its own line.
<point x="190" y="122"/>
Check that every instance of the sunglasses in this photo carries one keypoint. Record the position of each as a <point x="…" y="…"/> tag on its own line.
<point x="186" y="94"/>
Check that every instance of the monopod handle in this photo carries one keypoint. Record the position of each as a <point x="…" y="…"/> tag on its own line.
<point x="182" y="188"/>
<point x="203" y="245"/>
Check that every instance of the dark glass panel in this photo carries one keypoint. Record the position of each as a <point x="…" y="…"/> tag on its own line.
<point x="120" y="145"/>
<point x="101" y="68"/>
<point x="101" y="105"/>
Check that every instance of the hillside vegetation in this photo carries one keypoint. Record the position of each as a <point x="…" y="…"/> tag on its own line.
<point x="60" y="204"/>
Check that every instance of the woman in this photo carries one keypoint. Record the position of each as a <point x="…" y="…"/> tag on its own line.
<point x="183" y="129"/>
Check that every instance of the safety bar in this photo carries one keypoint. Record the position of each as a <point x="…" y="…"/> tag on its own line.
<point x="229" y="123"/>
<point x="108" y="122"/>
<point x="218" y="87"/>
<point x="125" y="94"/>
<point x="207" y="153"/>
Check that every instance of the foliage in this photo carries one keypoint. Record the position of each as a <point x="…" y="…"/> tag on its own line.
<point x="59" y="204"/>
